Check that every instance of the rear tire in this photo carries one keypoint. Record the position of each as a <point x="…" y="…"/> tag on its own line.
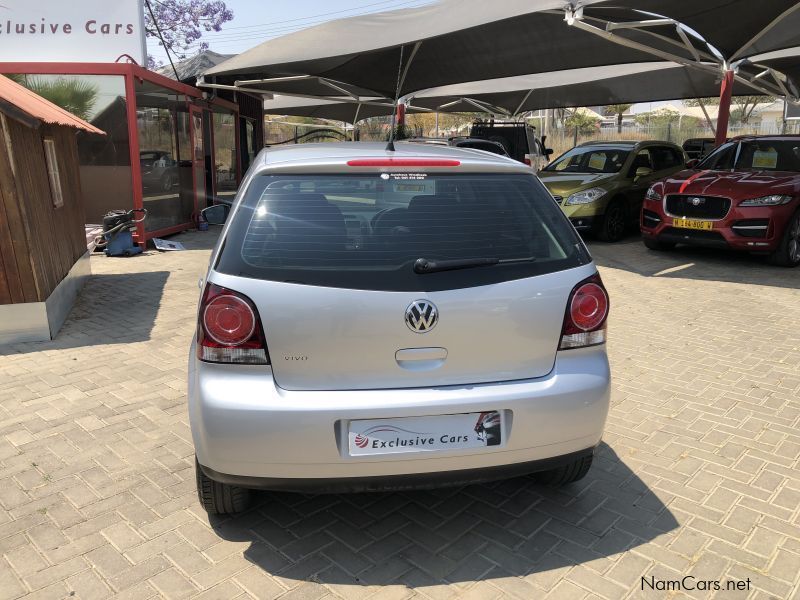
<point x="788" y="252"/>
<point x="613" y="223"/>
<point x="570" y="473"/>
<point x="220" y="498"/>
<point x="658" y="246"/>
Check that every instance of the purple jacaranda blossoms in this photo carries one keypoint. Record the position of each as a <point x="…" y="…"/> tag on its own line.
<point x="183" y="23"/>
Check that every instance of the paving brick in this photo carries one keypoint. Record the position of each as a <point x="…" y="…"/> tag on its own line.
<point x="697" y="473"/>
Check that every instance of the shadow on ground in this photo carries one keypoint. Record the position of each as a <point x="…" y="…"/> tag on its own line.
<point x="504" y="529"/>
<point x="111" y="309"/>
<point x="689" y="262"/>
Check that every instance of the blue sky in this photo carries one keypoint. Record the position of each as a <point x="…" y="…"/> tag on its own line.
<point x="258" y="20"/>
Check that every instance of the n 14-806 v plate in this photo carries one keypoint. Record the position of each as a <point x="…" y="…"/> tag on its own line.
<point x="693" y="224"/>
<point x="425" y="434"/>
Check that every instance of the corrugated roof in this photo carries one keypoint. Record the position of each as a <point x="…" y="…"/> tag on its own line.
<point x="40" y="109"/>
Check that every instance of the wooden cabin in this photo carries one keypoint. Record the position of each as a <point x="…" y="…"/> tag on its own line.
<point x="43" y="257"/>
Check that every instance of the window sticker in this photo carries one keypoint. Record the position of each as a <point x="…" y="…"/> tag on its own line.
<point x="597" y="161"/>
<point x="404" y="176"/>
<point x="765" y="159"/>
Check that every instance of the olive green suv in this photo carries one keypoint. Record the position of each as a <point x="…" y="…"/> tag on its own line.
<point x="601" y="185"/>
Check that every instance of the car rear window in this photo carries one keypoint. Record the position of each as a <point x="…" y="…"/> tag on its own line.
<point x="365" y="231"/>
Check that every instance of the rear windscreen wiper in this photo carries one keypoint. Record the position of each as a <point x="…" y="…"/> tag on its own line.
<point x="423" y="265"/>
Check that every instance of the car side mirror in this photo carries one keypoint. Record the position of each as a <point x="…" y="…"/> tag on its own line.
<point x="642" y="172"/>
<point x="548" y="152"/>
<point x="692" y="163"/>
<point x="217" y="214"/>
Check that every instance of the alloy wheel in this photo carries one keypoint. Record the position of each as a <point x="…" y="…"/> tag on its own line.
<point x="793" y="247"/>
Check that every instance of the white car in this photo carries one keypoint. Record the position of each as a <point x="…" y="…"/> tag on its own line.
<point x="376" y="320"/>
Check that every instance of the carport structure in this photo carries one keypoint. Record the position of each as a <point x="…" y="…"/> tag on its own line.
<point x="641" y="82"/>
<point x="397" y="53"/>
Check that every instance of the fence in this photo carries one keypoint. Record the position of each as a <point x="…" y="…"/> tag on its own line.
<point x="281" y="132"/>
<point x="562" y="139"/>
<point x="368" y="130"/>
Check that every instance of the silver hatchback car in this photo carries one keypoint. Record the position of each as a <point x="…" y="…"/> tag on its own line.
<point x="378" y="320"/>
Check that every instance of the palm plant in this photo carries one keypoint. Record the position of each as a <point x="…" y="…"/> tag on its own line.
<point x="77" y="96"/>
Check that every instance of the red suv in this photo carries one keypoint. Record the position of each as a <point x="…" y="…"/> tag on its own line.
<point x="745" y="195"/>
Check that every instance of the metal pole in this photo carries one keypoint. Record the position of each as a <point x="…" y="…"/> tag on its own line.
<point x="724" y="107"/>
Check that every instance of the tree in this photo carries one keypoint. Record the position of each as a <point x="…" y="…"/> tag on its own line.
<point x="618" y="110"/>
<point x="658" y="117"/>
<point x="743" y="106"/>
<point x="182" y="24"/>
<point x="75" y="95"/>
<point x="581" y="121"/>
<point x="448" y="122"/>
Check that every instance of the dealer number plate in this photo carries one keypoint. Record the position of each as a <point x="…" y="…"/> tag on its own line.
<point x="692" y="224"/>
<point x="425" y="434"/>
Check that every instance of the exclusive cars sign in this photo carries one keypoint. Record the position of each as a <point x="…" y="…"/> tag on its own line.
<point x="71" y="31"/>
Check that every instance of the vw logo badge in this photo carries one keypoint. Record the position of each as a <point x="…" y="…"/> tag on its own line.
<point x="697" y="201"/>
<point x="421" y="316"/>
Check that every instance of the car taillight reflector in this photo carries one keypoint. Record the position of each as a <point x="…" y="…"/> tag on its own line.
<point x="586" y="314"/>
<point x="403" y="162"/>
<point x="229" y="329"/>
<point x="527" y="161"/>
<point x="589" y="306"/>
<point x="229" y="320"/>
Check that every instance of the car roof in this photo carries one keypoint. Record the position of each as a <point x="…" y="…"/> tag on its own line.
<point x="627" y="143"/>
<point x="337" y="154"/>
<point x="476" y="139"/>
<point x="788" y="136"/>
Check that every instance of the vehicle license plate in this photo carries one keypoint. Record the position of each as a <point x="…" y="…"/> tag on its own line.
<point x="425" y="434"/>
<point x="692" y="224"/>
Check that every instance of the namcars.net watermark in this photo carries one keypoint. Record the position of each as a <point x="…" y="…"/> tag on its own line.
<point x="690" y="583"/>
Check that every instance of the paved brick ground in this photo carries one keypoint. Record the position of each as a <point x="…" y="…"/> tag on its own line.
<point x="698" y="474"/>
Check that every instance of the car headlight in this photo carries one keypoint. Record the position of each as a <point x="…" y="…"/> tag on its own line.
<point x="652" y="195"/>
<point x="586" y="196"/>
<point x="775" y="200"/>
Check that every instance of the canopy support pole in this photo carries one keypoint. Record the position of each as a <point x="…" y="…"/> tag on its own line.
<point x="355" y="120"/>
<point x="521" y="104"/>
<point x="724" y="107"/>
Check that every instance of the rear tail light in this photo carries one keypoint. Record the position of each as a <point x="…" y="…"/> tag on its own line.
<point x="586" y="314"/>
<point x="527" y="160"/>
<point x="229" y="329"/>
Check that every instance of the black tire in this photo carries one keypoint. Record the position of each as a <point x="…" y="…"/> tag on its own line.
<point x="788" y="252"/>
<point x="613" y="223"/>
<point x="220" y="498"/>
<point x="656" y="245"/>
<point x="570" y="473"/>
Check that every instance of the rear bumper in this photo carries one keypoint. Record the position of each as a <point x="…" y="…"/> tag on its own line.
<point x="397" y="482"/>
<point x="244" y="425"/>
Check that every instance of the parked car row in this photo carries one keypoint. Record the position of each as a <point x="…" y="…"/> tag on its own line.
<point x="743" y="195"/>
